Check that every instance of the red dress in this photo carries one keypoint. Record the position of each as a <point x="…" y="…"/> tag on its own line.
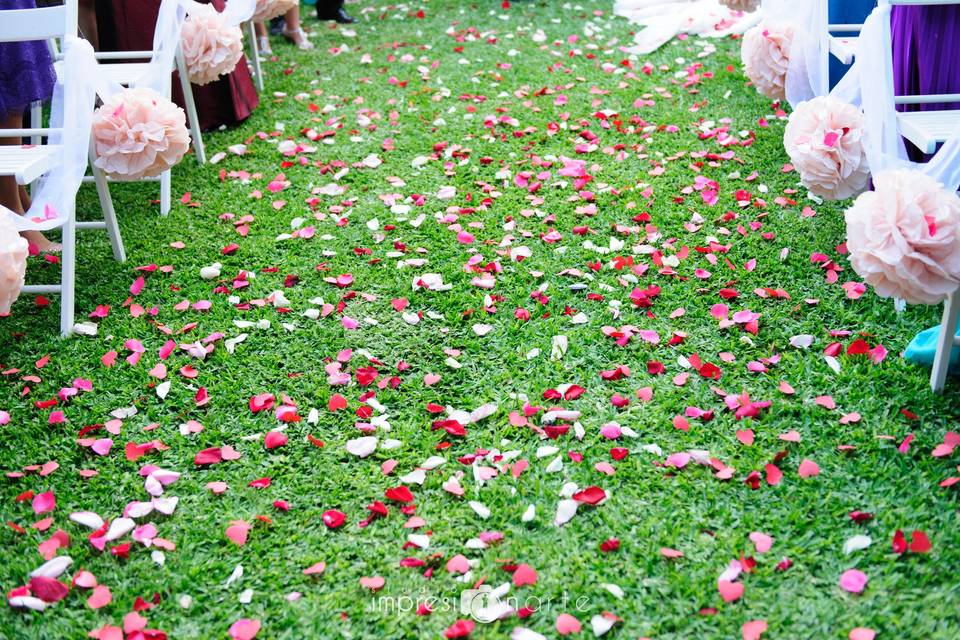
<point x="128" y="25"/>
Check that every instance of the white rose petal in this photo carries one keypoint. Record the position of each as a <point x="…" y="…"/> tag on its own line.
<point x="566" y="509"/>
<point x="87" y="519"/>
<point x="417" y="476"/>
<point x="856" y="543"/>
<point x="601" y="624"/>
<point x="119" y="528"/>
<point x="52" y="568"/>
<point x="362" y="447"/>
<point x="522" y="633"/>
<point x="479" y="509"/>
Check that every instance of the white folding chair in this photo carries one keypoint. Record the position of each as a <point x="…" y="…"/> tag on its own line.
<point x="254" y="53"/>
<point x="27" y="163"/>
<point x="124" y="73"/>
<point x="925" y="129"/>
<point x="124" y="68"/>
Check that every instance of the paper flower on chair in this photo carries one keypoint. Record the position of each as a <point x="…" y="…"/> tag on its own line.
<point x="748" y="6"/>
<point x="139" y="134"/>
<point x="211" y="45"/>
<point x="13" y="262"/>
<point x="825" y="142"/>
<point x="904" y="238"/>
<point x="270" y="9"/>
<point x="765" y="52"/>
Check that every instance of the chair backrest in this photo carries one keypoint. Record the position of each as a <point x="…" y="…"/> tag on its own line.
<point x="22" y="25"/>
<point x="888" y="55"/>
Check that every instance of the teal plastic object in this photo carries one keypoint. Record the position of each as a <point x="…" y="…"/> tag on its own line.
<point x="310" y="3"/>
<point x="923" y="347"/>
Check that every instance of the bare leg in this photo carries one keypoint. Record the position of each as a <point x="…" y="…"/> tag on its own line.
<point x="293" y="32"/>
<point x="10" y="191"/>
<point x="292" y="18"/>
<point x="263" y="41"/>
<point x="87" y="20"/>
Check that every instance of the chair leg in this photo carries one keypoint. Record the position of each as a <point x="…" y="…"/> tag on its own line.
<point x="255" y="55"/>
<point x="36" y="122"/>
<point x="109" y="212"/>
<point x="941" y="360"/>
<point x="165" y="193"/>
<point x="68" y="276"/>
<point x="191" y="108"/>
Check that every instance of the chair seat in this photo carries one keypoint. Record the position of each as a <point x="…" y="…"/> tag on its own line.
<point x="843" y="48"/>
<point x="27" y="163"/>
<point x="927" y="129"/>
<point x="124" y="72"/>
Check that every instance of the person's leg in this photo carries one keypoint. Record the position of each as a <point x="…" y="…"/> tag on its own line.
<point x="25" y="199"/>
<point x="293" y="32"/>
<point x="10" y="191"/>
<point x="87" y="20"/>
<point x="333" y="10"/>
<point x="263" y="42"/>
<point x="292" y="18"/>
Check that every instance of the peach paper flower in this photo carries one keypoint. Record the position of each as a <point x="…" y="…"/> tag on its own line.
<point x="211" y="46"/>
<point x="904" y="238"/>
<point x="139" y="134"/>
<point x="765" y="52"/>
<point x="825" y="142"/>
<point x="13" y="262"/>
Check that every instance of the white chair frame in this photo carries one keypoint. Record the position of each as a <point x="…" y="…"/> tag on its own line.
<point x="927" y="129"/>
<point x="254" y="53"/>
<point x="125" y="72"/>
<point x="945" y="342"/>
<point x="843" y="48"/>
<point x="27" y="164"/>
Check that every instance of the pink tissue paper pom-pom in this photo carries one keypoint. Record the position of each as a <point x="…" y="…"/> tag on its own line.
<point x="212" y="47"/>
<point x="904" y="237"/>
<point x="825" y="142"/>
<point x="13" y="262"/>
<point x="139" y="134"/>
<point x="748" y="6"/>
<point x="765" y="52"/>
<point x="270" y="9"/>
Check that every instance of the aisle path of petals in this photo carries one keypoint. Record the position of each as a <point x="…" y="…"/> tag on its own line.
<point x="477" y="299"/>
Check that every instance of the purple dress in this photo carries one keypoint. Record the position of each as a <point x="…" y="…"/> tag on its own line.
<point x="26" y="69"/>
<point x="926" y="48"/>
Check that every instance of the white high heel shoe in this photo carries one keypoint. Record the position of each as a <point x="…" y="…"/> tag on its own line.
<point x="263" y="43"/>
<point x="304" y="44"/>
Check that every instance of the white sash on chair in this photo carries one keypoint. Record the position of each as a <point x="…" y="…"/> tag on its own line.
<point x="885" y="146"/>
<point x="71" y="115"/>
<point x="808" y="73"/>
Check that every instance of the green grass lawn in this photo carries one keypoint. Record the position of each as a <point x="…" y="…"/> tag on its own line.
<point x="437" y="126"/>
